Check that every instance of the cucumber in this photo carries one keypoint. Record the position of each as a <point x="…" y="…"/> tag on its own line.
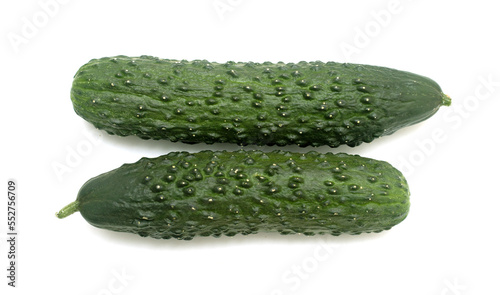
<point x="304" y="104"/>
<point x="182" y="195"/>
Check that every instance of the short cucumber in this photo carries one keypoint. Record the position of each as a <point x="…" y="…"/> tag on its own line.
<point x="182" y="195"/>
<point x="305" y="103"/>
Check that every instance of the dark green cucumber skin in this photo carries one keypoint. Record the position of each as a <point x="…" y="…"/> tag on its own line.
<point x="305" y="103"/>
<point x="182" y="195"/>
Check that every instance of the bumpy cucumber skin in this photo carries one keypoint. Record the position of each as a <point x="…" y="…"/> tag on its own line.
<point x="305" y="103"/>
<point x="182" y="195"/>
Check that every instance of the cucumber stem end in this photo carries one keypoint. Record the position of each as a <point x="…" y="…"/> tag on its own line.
<point x="67" y="210"/>
<point x="446" y="100"/>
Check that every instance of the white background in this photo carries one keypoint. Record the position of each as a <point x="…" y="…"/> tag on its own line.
<point x="448" y="244"/>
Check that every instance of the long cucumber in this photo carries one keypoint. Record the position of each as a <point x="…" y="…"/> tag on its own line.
<point x="182" y="195"/>
<point x="305" y="103"/>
